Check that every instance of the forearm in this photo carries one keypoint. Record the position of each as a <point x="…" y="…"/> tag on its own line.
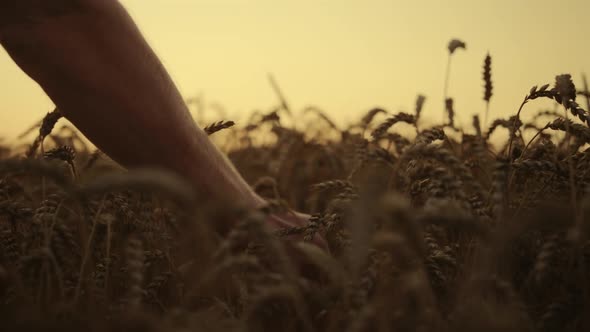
<point x="102" y="75"/>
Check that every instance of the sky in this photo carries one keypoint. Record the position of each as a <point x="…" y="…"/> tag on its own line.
<point x="344" y="56"/>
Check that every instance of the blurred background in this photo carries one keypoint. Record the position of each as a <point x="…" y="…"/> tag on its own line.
<point x="344" y="56"/>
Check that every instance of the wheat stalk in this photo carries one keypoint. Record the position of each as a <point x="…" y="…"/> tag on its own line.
<point x="488" y="87"/>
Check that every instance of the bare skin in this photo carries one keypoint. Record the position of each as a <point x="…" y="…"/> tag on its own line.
<point x="92" y="61"/>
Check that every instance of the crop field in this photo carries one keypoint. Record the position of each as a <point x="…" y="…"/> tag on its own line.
<point x="429" y="227"/>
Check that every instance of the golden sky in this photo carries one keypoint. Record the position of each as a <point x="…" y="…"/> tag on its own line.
<point x="345" y="56"/>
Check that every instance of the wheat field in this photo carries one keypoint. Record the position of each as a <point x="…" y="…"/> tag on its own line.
<point x="429" y="228"/>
